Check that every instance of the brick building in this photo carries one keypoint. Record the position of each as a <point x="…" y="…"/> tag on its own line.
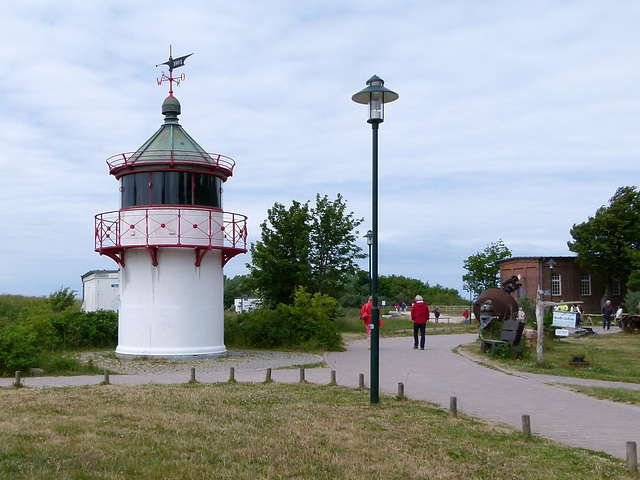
<point x="565" y="281"/>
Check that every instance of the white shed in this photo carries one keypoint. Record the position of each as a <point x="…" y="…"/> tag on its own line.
<point x="246" y="304"/>
<point x="101" y="290"/>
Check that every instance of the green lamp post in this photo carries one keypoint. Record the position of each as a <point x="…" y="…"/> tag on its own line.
<point x="375" y="95"/>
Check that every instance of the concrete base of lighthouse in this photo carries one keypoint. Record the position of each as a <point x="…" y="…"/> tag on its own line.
<point x="173" y="310"/>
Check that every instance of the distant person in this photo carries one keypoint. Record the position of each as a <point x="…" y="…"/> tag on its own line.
<point x="403" y="307"/>
<point x="578" y="311"/>
<point x="365" y="316"/>
<point x="619" y="314"/>
<point x="436" y="313"/>
<point x="607" y="311"/>
<point x="420" y="317"/>
<point x="521" y="316"/>
<point x="465" y="315"/>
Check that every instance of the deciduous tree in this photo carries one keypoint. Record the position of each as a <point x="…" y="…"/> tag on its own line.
<point x="305" y="247"/>
<point x="280" y="260"/>
<point x="483" y="268"/>
<point x="607" y="243"/>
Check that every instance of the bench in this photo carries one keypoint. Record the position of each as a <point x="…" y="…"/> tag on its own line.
<point x="510" y="335"/>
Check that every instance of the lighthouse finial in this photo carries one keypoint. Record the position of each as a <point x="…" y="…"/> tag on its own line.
<point x="172" y="63"/>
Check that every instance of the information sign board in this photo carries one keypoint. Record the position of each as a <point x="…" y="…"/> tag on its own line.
<point x="564" y="319"/>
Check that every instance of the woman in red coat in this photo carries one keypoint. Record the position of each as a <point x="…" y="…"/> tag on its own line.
<point x="420" y="317"/>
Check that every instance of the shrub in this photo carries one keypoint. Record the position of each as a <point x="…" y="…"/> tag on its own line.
<point x="62" y="299"/>
<point x="18" y="348"/>
<point x="77" y="329"/>
<point x="308" y="325"/>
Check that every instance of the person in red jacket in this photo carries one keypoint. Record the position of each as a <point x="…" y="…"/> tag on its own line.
<point x="420" y="317"/>
<point x="365" y="316"/>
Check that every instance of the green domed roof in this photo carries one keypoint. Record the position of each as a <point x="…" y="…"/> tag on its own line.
<point x="171" y="147"/>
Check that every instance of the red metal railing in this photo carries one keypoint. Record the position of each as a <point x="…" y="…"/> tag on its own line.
<point x="213" y="161"/>
<point x="152" y="228"/>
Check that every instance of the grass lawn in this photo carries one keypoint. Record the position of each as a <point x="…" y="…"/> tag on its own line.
<point x="265" y="431"/>
<point x="612" y="357"/>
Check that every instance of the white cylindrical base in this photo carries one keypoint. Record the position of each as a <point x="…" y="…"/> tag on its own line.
<point x="172" y="310"/>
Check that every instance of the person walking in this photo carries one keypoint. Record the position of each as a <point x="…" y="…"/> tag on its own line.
<point x="436" y="313"/>
<point x="619" y="315"/>
<point x="607" y="311"/>
<point x="420" y="317"/>
<point x="365" y="316"/>
<point x="465" y="315"/>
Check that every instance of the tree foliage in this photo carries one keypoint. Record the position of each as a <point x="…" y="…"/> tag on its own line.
<point x="304" y="247"/>
<point x="483" y="268"/>
<point x="607" y="243"/>
<point x="280" y="260"/>
<point x="62" y="299"/>
<point x="398" y="289"/>
<point x="333" y="245"/>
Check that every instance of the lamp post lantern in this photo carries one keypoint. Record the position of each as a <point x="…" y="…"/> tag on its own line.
<point x="369" y="237"/>
<point x="375" y="95"/>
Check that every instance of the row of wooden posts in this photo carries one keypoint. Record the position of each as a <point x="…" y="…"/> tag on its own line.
<point x="632" y="452"/>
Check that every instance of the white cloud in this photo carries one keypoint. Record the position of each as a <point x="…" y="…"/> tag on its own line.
<point x="515" y="121"/>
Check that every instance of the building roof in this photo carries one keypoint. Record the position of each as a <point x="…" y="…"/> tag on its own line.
<point x="97" y="272"/>
<point x="171" y="147"/>
<point x="539" y="257"/>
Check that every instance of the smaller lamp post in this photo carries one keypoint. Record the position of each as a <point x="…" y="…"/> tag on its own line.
<point x="369" y="237"/>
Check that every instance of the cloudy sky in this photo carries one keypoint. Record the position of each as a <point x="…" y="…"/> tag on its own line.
<point x="515" y="119"/>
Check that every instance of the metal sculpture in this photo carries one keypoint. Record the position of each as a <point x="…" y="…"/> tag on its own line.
<point x="497" y="304"/>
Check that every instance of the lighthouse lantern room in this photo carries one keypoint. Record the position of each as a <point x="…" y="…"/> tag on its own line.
<point x="171" y="239"/>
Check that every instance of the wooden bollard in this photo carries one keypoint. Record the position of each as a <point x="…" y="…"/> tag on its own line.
<point x="526" y="426"/>
<point x="632" y="457"/>
<point x="333" y="378"/>
<point x="193" y="375"/>
<point x="302" y="380"/>
<point x="453" y="406"/>
<point x="106" y="377"/>
<point x="16" y="381"/>
<point x="267" y="378"/>
<point x="401" y="390"/>
<point x="361" y="381"/>
<point x="232" y="374"/>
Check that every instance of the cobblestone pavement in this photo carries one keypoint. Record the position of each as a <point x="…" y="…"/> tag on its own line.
<point x="241" y="360"/>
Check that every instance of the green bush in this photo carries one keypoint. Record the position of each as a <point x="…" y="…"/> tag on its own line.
<point x="33" y="329"/>
<point x="62" y="299"/>
<point x="18" y="348"/>
<point x="307" y="325"/>
<point x="76" y="329"/>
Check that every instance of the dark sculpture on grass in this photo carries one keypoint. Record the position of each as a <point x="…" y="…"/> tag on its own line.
<point x="497" y="304"/>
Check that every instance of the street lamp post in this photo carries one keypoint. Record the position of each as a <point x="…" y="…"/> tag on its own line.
<point x="369" y="237"/>
<point x="375" y="95"/>
<point x="551" y="263"/>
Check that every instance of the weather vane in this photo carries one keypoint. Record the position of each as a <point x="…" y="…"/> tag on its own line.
<point x="172" y="63"/>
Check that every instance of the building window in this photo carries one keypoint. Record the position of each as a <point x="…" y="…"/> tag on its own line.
<point x="556" y="287"/>
<point x="585" y="284"/>
<point x="615" y="287"/>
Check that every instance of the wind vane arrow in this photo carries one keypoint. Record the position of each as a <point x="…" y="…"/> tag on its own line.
<point x="172" y="63"/>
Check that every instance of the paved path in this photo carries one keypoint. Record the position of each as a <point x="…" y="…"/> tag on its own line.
<point x="433" y="375"/>
<point x="556" y="412"/>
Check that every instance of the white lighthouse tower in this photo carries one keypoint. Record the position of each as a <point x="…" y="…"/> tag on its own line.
<point x="171" y="239"/>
